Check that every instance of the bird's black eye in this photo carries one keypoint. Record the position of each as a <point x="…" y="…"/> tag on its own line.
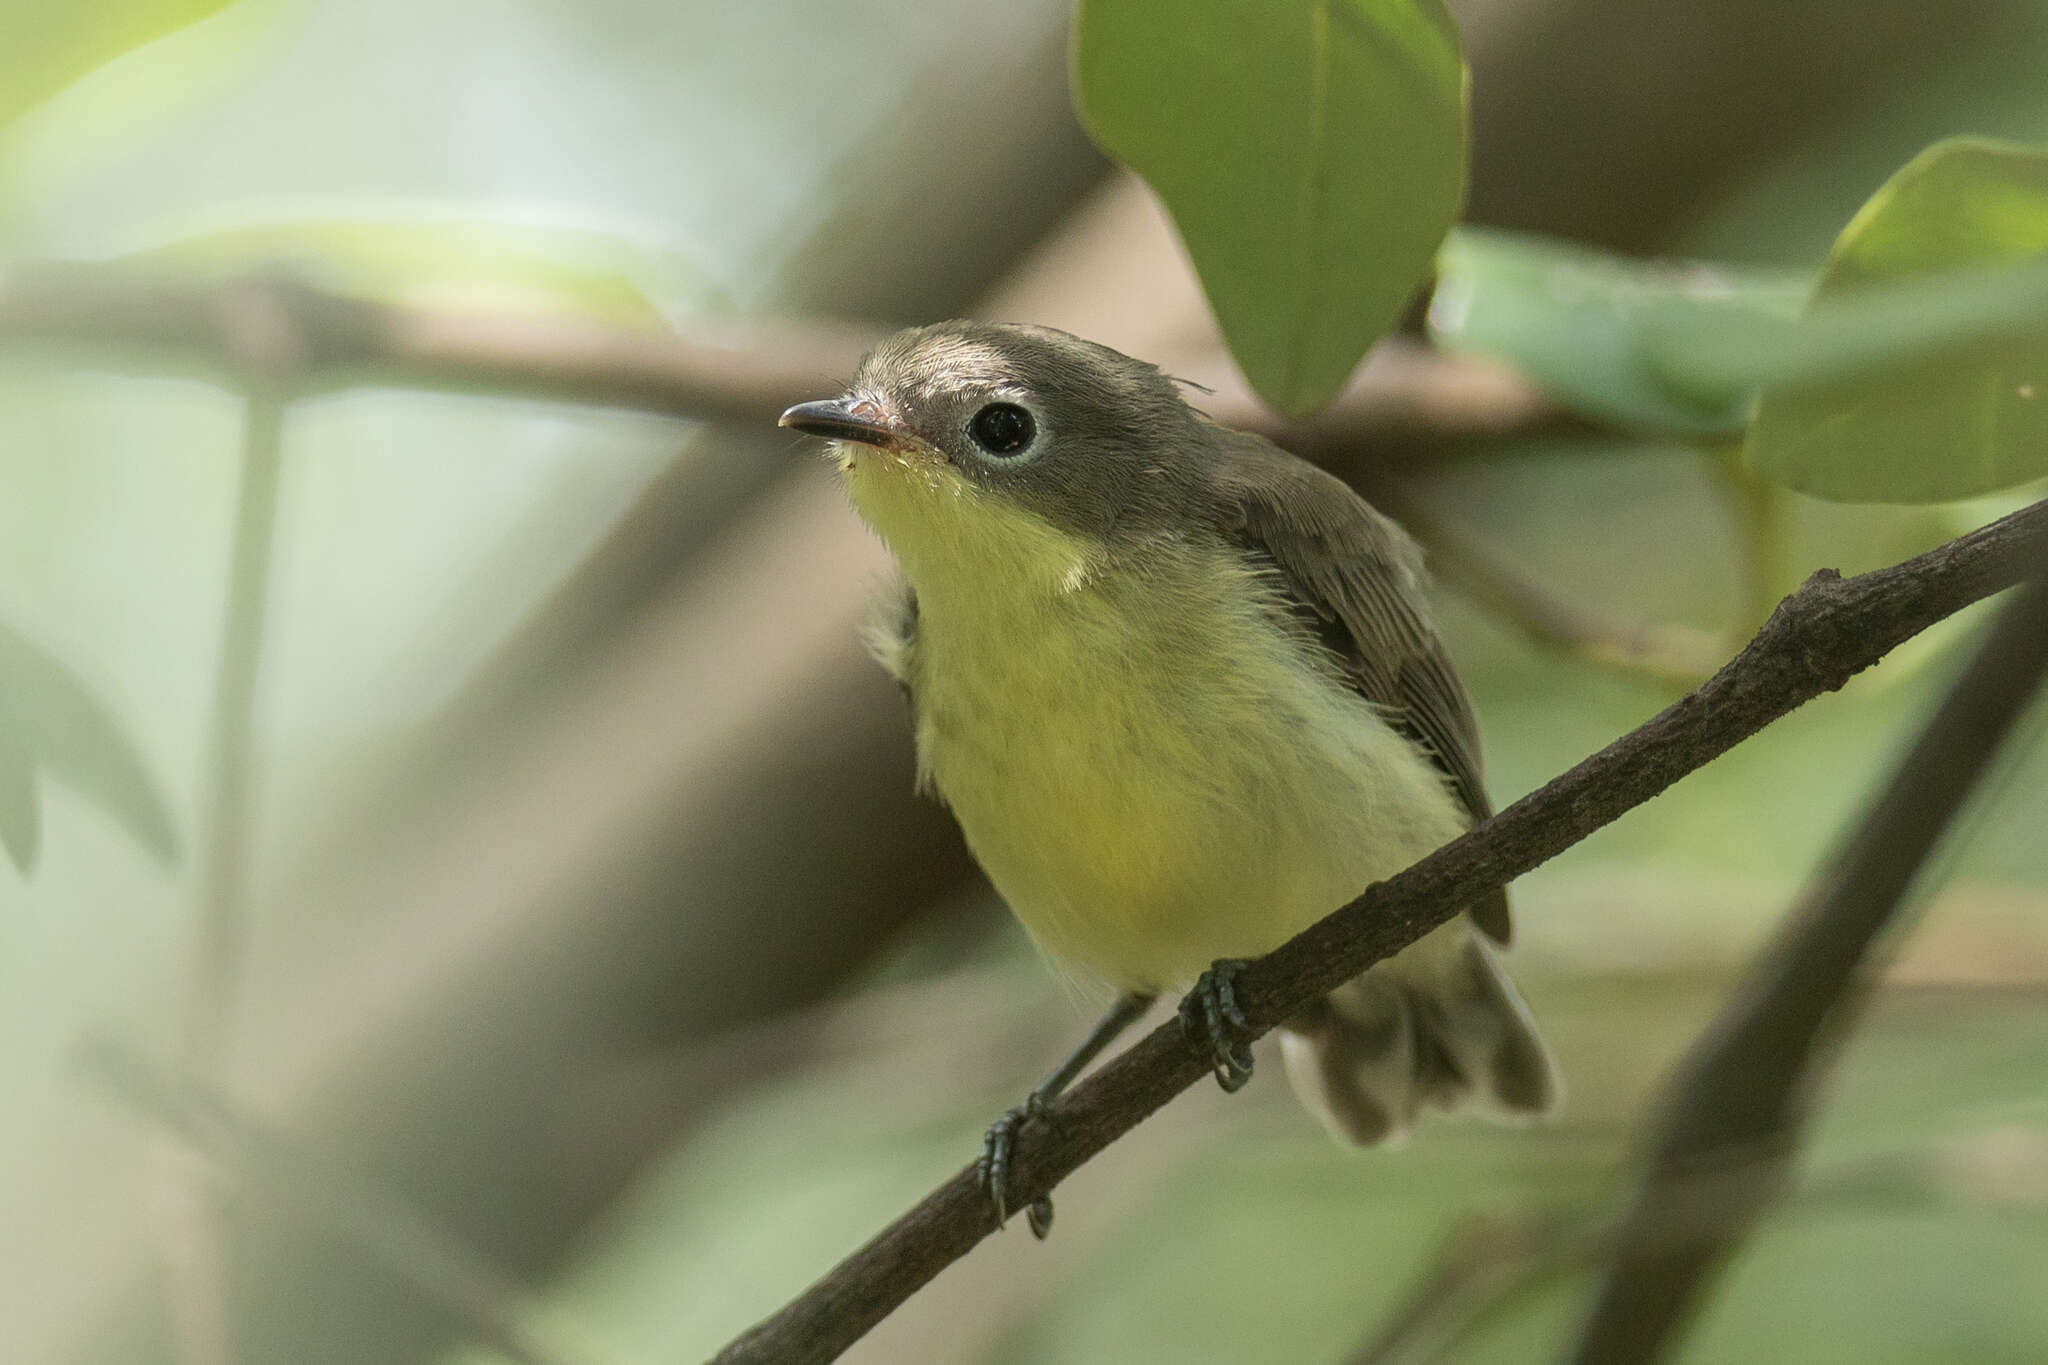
<point x="1002" y="428"/>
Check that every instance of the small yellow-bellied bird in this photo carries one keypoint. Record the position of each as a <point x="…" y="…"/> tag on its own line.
<point x="1182" y="691"/>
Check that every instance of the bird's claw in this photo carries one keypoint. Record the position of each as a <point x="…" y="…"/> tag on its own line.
<point x="994" y="1165"/>
<point x="1209" y="1015"/>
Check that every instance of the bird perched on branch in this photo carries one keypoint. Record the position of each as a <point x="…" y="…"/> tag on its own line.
<point x="1182" y="691"/>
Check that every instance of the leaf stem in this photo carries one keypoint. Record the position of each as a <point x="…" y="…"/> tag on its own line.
<point x="197" y="1256"/>
<point x="1758" y="507"/>
<point x="223" y="896"/>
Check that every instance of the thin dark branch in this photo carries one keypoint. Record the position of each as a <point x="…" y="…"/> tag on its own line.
<point x="741" y="374"/>
<point x="1740" y="1097"/>
<point x="1817" y="639"/>
<point x="310" y="1191"/>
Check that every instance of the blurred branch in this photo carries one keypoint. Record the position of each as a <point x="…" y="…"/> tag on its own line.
<point x="344" y="342"/>
<point x="1741" y="1094"/>
<point x="312" y="1192"/>
<point x="1817" y="639"/>
<point x="1670" y="654"/>
<point x="196" y="1233"/>
<point x="745" y="375"/>
<point x="1489" y="1260"/>
<point x="223" y="893"/>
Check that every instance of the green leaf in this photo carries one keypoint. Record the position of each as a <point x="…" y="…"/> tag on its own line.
<point x="423" y="256"/>
<point x="1947" y="426"/>
<point x="64" y="730"/>
<point x="1312" y="153"/>
<point x="45" y="45"/>
<point x="21" y="819"/>
<point x="1584" y="323"/>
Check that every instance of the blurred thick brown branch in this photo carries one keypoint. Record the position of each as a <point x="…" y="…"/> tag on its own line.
<point x="1818" y="638"/>
<point x="1739" y="1101"/>
<point x="317" y="342"/>
<point x="330" y="341"/>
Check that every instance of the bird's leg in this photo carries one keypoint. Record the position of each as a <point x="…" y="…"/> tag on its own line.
<point x="1210" y="1015"/>
<point x="1001" y="1141"/>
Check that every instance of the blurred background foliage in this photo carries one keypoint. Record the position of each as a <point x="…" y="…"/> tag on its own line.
<point x="590" y="915"/>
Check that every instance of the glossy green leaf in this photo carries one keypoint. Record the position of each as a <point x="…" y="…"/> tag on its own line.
<point x="45" y="45"/>
<point x="1584" y="323"/>
<point x="67" y="732"/>
<point x="1950" y="425"/>
<point x="21" y="817"/>
<point x="431" y="258"/>
<point x="1312" y="153"/>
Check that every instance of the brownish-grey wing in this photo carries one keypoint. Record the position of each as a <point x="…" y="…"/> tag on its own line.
<point x="1356" y="578"/>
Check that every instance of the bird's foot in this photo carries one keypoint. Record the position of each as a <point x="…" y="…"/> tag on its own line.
<point x="996" y="1149"/>
<point x="1210" y="1016"/>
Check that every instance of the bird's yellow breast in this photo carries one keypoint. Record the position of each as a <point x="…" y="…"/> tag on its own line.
<point x="1153" y="769"/>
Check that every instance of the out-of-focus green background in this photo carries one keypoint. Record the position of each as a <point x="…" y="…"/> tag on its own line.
<point x="592" y="915"/>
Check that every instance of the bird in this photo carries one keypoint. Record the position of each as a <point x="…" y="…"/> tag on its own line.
<point x="1183" y="692"/>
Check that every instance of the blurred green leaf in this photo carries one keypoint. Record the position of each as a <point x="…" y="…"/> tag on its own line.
<point x="1312" y="153"/>
<point x="435" y="259"/>
<point x="1579" y="321"/>
<point x="1951" y="426"/>
<point x="63" y="729"/>
<point x="45" y="45"/>
<point x="21" y="819"/>
<point x="1926" y="320"/>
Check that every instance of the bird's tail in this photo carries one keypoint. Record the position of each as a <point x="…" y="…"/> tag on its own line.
<point x="1439" y="1023"/>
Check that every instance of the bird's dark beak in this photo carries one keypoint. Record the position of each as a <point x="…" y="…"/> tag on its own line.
<point x="839" y="419"/>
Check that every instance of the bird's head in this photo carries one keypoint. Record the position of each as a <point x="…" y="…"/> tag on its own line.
<point x="984" y="446"/>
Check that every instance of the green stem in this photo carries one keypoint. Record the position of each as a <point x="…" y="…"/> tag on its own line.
<point x="223" y="909"/>
<point x="196" y="1256"/>
<point x="1758" y="506"/>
